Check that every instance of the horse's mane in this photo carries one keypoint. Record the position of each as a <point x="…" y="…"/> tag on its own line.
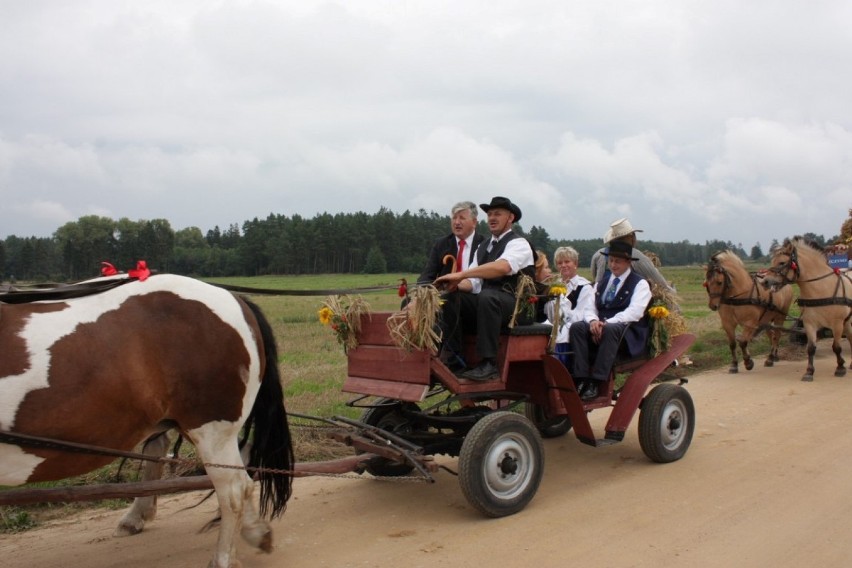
<point x="727" y="257"/>
<point x="800" y="240"/>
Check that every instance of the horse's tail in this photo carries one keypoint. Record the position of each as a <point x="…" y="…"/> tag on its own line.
<point x="271" y="447"/>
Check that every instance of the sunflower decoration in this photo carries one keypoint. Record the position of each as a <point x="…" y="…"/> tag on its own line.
<point x="556" y="290"/>
<point x="343" y="315"/>
<point x="666" y="319"/>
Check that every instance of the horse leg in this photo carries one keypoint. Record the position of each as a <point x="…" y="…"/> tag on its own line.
<point x="809" y="373"/>
<point x="748" y="362"/>
<point x="255" y="530"/>
<point x="732" y="345"/>
<point x="145" y="508"/>
<point x="774" y="338"/>
<point x="234" y="489"/>
<point x="840" y="371"/>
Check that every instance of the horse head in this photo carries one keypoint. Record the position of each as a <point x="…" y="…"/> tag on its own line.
<point x="784" y="266"/>
<point x="716" y="281"/>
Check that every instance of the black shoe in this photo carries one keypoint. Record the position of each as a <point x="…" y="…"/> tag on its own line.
<point x="581" y="386"/>
<point x="590" y="391"/>
<point x="485" y="371"/>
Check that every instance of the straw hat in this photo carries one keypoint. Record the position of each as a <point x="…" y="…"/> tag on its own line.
<point x="620" y="228"/>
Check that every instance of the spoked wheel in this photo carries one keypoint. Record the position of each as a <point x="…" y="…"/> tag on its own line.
<point x="666" y="423"/>
<point x="389" y="416"/>
<point x="547" y="427"/>
<point x="501" y="464"/>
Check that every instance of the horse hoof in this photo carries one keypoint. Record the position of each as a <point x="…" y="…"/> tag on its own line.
<point x="841" y="372"/>
<point x="808" y="378"/>
<point x="749" y="365"/>
<point x="128" y="529"/>
<point x="265" y="544"/>
<point x="733" y="370"/>
<point x="768" y="363"/>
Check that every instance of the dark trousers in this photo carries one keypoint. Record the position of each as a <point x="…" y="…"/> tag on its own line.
<point x="594" y="360"/>
<point x="484" y="314"/>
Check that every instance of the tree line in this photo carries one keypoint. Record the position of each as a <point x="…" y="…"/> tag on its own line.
<point x="341" y="243"/>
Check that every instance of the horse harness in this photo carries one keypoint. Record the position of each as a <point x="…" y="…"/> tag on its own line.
<point x="753" y="298"/>
<point x="837" y="299"/>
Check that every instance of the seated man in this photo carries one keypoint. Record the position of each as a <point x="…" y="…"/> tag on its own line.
<point x="620" y="302"/>
<point x="462" y="239"/>
<point x="481" y="298"/>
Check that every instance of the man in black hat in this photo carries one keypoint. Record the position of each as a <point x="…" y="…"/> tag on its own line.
<point x="482" y="298"/>
<point x="620" y="303"/>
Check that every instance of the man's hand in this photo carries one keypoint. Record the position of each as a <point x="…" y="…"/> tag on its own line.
<point x="596" y="329"/>
<point x="452" y="281"/>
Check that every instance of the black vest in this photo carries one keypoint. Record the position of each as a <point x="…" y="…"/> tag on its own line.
<point x="509" y="282"/>
<point x="637" y="333"/>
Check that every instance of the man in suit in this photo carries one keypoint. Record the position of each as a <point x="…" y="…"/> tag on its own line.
<point x="620" y="301"/>
<point x="481" y="298"/>
<point x="463" y="238"/>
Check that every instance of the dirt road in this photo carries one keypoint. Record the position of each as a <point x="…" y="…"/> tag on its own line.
<point x="765" y="483"/>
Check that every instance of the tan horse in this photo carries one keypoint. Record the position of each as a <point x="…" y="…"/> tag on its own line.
<point x="744" y="300"/>
<point x="825" y="295"/>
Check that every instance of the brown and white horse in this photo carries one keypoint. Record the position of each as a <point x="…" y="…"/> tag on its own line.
<point x="825" y="295"/>
<point x="742" y="300"/>
<point x="113" y="368"/>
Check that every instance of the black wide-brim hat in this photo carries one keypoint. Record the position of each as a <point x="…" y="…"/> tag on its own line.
<point x="502" y="203"/>
<point x="620" y="249"/>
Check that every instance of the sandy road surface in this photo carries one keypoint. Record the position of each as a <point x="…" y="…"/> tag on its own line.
<point x="767" y="482"/>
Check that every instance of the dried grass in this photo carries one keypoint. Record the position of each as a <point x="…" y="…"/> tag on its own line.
<point x="414" y="327"/>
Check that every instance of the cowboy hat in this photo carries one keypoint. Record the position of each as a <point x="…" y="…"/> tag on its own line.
<point x="620" y="228"/>
<point x="620" y="249"/>
<point x="502" y="203"/>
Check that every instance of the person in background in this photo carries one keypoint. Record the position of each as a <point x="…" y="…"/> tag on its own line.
<point x="622" y="230"/>
<point x="481" y="299"/>
<point x="543" y="277"/>
<point x="620" y="304"/>
<point x="574" y="305"/>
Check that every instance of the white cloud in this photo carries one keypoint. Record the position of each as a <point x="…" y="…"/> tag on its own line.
<point x="698" y="120"/>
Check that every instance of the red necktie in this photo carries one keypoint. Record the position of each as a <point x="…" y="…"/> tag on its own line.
<point x="460" y="256"/>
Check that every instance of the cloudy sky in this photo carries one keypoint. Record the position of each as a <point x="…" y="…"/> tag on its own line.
<point x="698" y="120"/>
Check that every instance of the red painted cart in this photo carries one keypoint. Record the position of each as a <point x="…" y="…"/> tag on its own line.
<point x="495" y="427"/>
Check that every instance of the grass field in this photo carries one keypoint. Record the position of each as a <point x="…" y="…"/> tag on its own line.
<point x="313" y="363"/>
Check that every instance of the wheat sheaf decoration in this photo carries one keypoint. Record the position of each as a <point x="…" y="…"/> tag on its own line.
<point x="415" y="326"/>
<point x="666" y="319"/>
<point x="525" y="299"/>
<point x="343" y="315"/>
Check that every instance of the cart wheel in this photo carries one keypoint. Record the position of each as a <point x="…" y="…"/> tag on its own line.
<point x="501" y="464"/>
<point x="547" y="427"/>
<point x="666" y="423"/>
<point x="389" y="416"/>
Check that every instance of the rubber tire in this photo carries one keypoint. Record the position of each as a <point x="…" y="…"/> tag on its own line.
<point x="666" y="423"/>
<point x="497" y="441"/>
<point x="552" y="428"/>
<point x="389" y="418"/>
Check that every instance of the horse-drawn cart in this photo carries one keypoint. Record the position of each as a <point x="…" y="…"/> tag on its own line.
<point x="495" y="427"/>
